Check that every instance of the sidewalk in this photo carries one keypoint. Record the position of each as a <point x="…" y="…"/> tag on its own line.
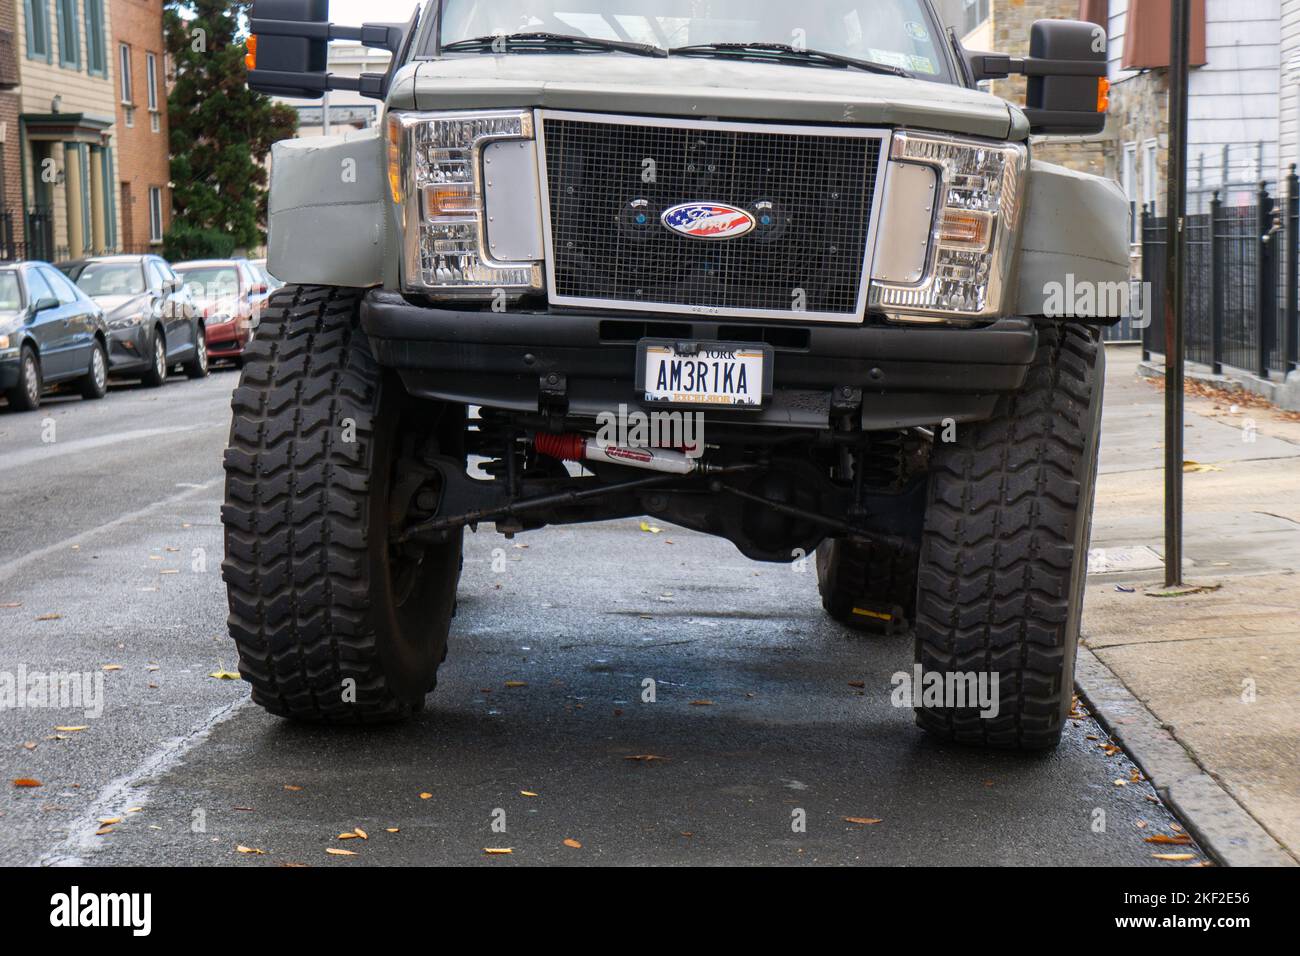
<point x="1219" y="669"/>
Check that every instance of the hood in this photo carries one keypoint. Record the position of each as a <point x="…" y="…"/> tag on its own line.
<point x="116" y="303"/>
<point x="10" y="319"/>
<point x="700" y="87"/>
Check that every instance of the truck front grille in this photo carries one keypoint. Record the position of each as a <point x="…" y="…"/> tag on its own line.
<point x="812" y="193"/>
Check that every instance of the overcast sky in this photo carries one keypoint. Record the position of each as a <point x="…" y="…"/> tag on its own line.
<point x="356" y="12"/>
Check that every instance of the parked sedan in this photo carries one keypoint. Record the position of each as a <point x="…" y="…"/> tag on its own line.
<point x="230" y="294"/>
<point x="153" y="322"/>
<point x="50" y="332"/>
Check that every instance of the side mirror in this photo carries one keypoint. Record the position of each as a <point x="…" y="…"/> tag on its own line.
<point x="274" y="56"/>
<point x="1068" y="93"/>
<point x="44" y="303"/>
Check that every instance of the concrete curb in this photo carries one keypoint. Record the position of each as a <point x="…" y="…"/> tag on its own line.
<point x="1230" y="835"/>
<point x="1285" y="395"/>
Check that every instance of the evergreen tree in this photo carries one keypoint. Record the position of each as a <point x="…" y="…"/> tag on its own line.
<point x="221" y="131"/>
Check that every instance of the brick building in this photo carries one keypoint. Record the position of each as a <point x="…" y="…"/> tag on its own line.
<point x="11" y="188"/>
<point x="143" y="168"/>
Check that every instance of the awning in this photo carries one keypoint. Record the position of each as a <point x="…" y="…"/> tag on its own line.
<point x="1146" y="38"/>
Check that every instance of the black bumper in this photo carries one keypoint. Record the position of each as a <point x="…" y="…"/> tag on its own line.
<point x="913" y="375"/>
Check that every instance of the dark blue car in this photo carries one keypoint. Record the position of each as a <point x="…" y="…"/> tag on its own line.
<point x="50" y="332"/>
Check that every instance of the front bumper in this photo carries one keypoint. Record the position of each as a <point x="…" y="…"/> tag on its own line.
<point x="228" y="340"/>
<point x="10" y="369"/>
<point x="519" y="360"/>
<point x="128" y="349"/>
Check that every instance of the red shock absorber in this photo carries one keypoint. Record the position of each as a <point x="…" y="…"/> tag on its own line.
<point x="563" y="447"/>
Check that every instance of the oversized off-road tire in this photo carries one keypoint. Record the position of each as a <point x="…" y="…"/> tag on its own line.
<point x="869" y="587"/>
<point x="1005" y="551"/>
<point x="332" y="623"/>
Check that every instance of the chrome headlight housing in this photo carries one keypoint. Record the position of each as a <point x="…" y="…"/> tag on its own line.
<point x="959" y="205"/>
<point x="442" y="182"/>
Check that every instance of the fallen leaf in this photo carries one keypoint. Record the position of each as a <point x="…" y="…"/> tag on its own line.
<point x="72" y="730"/>
<point x="109" y="821"/>
<point x="1174" y="826"/>
<point x="645" y="758"/>
<point x="1180" y="839"/>
<point x="527" y="793"/>
<point x="861" y="821"/>
<point x="701" y="703"/>
<point x="392" y="829"/>
<point x="11" y="604"/>
<point x="169" y="571"/>
<point x="135" y="809"/>
<point x="573" y="843"/>
<point x="224" y="675"/>
<point x="649" y="528"/>
<point x="1174" y="857"/>
<point x="357" y="831"/>
<point x="26" y="782"/>
<point x="1195" y="467"/>
<point x="49" y="617"/>
<point x="516" y="683"/>
<point x="29" y="745"/>
<point x="1121" y="783"/>
<point x="496" y="850"/>
<point x="249" y="849"/>
<point x="112" y="667"/>
<point x="335" y="851"/>
<point x="1184" y="591"/>
<point x="103" y="830"/>
<point x="425" y="796"/>
<point x="859" y="684"/>
<point x="292" y="788"/>
<point x="347" y="836"/>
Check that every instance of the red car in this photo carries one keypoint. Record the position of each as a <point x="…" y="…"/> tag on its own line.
<point x="230" y="292"/>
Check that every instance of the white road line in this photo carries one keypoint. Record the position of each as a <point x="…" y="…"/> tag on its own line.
<point x="10" y="567"/>
<point x="131" y="790"/>
<point x="42" y="453"/>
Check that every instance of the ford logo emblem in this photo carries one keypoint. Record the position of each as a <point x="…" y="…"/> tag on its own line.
<point x="708" y="220"/>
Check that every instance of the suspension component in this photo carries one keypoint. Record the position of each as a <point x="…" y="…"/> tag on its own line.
<point x="580" y="448"/>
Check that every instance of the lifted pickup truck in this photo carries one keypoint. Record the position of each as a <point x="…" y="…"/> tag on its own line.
<point x="776" y="272"/>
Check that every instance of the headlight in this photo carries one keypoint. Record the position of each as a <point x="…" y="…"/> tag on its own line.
<point x="4" y="342"/>
<point x="961" y="269"/>
<point x="441" y="180"/>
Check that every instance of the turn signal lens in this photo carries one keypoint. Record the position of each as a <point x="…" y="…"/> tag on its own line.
<point x="966" y="229"/>
<point x="444" y="200"/>
<point x="395" y="158"/>
<point x="1103" y="95"/>
<point x="250" y="58"/>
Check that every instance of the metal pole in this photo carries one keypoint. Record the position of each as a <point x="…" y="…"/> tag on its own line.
<point x="1175" y="212"/>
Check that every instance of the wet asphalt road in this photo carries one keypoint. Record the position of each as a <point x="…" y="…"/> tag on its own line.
<point x="766" y="711"/>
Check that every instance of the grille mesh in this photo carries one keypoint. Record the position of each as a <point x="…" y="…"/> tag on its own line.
<point x="811" y="194"/>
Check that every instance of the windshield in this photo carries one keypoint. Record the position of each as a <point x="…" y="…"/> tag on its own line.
<point x="893" y="32"/>
<point x="111" y="278"/>
<point x="210" y="283"/>
<point x="10" y="299"/>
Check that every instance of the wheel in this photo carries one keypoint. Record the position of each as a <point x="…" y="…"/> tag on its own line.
<point x="1005" y="551"/>
<point x="94" y="384"/>
<point x="156" y="375"/>
<point x="332" y="623"/>
<point x="868" y="587"/>
<point x="25" y="396"/>
<point x="197" y="367"/>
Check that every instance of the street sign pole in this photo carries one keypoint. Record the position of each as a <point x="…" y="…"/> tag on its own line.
<point x="1175" y="244"/>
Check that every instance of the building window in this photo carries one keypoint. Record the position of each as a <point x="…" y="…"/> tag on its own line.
<point x="38" y="29"/>
<point x="69" y="34"/>
<point x="95" y="56"/>
<point x="124" y="72"/>
<point x="155" y="214"/>
<point x="1150" y="174"/>
<point x="155" y="122"/>
<point x="151" y="79"/>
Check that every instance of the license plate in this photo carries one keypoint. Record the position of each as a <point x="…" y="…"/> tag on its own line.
<point x="713" y="374"/>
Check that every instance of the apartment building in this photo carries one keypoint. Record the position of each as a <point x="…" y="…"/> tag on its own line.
<point x="67" y="128"/>
<point x="11" y="190"/>
<point x="144" y="196"/>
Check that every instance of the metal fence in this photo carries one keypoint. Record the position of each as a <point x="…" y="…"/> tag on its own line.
<point x="1240" y="299"/>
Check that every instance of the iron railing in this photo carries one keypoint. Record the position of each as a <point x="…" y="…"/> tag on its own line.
<point x="1240" y="307"/>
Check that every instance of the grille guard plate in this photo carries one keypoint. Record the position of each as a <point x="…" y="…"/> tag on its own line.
<point x="874" y="201"/>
